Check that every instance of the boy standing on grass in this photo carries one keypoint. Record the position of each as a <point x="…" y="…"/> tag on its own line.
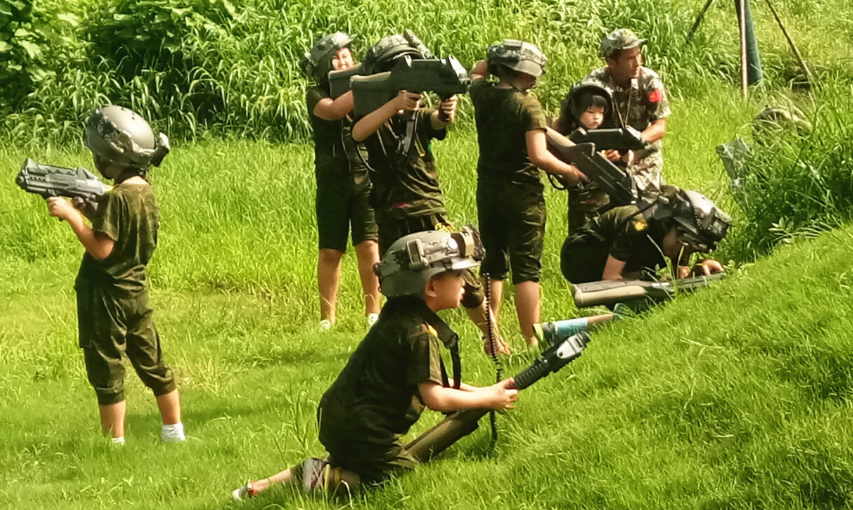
<point x="113" y="314"/>
<point x="406" y="195"/>
<point x="396" y="371"/>
<point x="342" y="182"/>
<point x="510" y="196"/>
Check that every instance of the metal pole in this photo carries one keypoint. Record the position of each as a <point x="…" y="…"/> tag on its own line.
<point x="791" y="44"/>
<point x="698" y="21"/>
<point x="744" y="71"/>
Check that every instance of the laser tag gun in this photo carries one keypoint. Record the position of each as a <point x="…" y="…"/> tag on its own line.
<point x="461" y="423"/>
<point x="339" y="80"/>
<point x="622" y="140"/>
<point x="53" y="181"/>
<point x="609" y="293"/>
<point x="446" y="77"/>
<point x="611" y="179"/>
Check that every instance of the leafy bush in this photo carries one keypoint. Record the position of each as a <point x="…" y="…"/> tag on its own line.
<point x="798" y="186"/>
<point x="22" y="38"/>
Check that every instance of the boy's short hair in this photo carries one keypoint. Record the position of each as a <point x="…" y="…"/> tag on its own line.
<point x="591" y="100"/>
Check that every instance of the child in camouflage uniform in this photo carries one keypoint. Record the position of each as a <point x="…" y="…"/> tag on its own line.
<point x="396" y="370"/>
<point x="406" y="196"/>
<point x="114" y="317"/>
<point x="624" y="243"/>
<point x="510" y="196"/>
<point x="342" y="182"/>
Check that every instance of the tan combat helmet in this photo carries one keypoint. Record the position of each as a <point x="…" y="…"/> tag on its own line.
<point x="520" y="56"/>
<point x="412" y="260"/>
<point x="124" y="139"/>
<point x="384" y="54"/>
<point x="317" y="63"/>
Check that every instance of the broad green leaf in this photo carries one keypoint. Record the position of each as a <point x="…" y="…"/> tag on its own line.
<point x="4" y="47"/>
<point x="22" y="32"/>
<point x="69" y="18"/>
<point x="33" y="51"/>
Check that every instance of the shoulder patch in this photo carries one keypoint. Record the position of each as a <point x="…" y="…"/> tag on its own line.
<point x="640" y="225"/>
<point x="431" y="330"/>
<point x="655" y="96"/>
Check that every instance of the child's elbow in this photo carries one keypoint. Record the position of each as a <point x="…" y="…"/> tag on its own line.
<point x="102" y="250"/>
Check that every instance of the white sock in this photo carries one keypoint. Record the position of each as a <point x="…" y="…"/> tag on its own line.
<point x="118" y="440"/>
<point x="174" y="432"/>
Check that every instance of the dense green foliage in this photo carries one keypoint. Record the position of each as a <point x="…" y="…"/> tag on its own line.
<point x="210" y="66"/>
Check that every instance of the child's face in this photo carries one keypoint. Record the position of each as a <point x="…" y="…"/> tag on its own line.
<point x="524" y="82"/>
<point x="342" y="59"/>
<point x="675" y="248"/>
<point x="592" y="118"/>
<point x="448" y="289"/>
<point x="105" y="168"/>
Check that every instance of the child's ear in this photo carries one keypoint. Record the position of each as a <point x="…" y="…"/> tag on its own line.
<point x="429" y="288"/>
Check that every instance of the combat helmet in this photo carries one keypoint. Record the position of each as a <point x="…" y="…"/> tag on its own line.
<point x="519" y="56"/>
<point x="412" y="260"/>
<point x="698" y="220"/>
<point x="317" y="63"/>
<point x="382" y="56"/>
<point x="587" y="87"/>
<point x="124" y="139"/>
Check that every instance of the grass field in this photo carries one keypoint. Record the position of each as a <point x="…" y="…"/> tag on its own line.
<point x="737" y="397"/>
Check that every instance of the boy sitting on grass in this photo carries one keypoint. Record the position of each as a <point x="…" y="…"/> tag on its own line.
<point x="396" y="371"/>
<point x="113" y="314"/>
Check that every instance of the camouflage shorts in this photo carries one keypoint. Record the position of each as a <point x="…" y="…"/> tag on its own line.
<point x="341" y="209"/>
<point x="111" y="327"/>
<point x="512" y="227"/>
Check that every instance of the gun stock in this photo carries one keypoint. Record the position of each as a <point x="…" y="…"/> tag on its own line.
<point x="461" y="423"/>
<point x="339" y="81"/>
<point x="446" y="77"/>
<point x="616" y="183"/>
<point x="608" y="293"/>
<point x="54" y="181"/>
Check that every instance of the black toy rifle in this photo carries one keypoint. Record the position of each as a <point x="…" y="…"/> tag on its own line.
<point x="445" y="77"/>
<point x="461" y="423"/>
<point x="339" y="80"/>
<point x="608" y="293"/>
<point x="622" y="140"/>
<point x="53" y="181"/>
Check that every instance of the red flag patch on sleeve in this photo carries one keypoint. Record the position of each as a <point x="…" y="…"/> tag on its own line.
<point x="655" y="96"/>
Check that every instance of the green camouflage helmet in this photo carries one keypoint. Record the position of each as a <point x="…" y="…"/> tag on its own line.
<point x="317" y="63"/>
<point x="519" y="56"/>
<point x="774" y="118"/>
<point x="699" y="222"/>
<point x="123" y="138"/>
<point x="413" y="259"/>
<point x="621" y="39"/>
<point x="384" y="53"/>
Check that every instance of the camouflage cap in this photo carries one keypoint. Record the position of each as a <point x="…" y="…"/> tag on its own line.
<point x="317" y="63"/>
<point x="520" y="56"/>
<point x="621" y="39"/>
<point x="389" y="49"/>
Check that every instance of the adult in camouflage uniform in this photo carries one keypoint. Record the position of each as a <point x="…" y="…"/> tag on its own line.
<point x="396" y="371"/>
<point x="510" y="201"/>
<point x="398" y="136"/>
<point x="113" y="313"/>
<point x="343" y="186"/>
<point x="639" y="101"/>
<point x="624" y="243"/>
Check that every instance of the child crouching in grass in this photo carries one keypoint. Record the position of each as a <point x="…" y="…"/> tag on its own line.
<point x="396" y="371"/>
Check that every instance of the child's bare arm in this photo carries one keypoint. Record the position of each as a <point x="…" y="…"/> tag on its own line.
<point x="334" y="109"/>
<point x="406" y="101"/>
<point x="613" y="268"/>
<point x="96" y="245"/>
<point x="537" y="151"/>
<point x="499" y="396"/>
<point x="480" y="71"/>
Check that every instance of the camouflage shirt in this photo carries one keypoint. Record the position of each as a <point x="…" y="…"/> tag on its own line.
<point x="376" y="399"/>
<point x="130" y="217"/>
<point x="335" y="152"/>
<point x="504" y="116"/>
<point x="630" y="237"/>
<point x="405" y="182"/>
<point x="638" y="106"/>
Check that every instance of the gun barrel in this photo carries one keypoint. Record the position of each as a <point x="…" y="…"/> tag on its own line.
<point x="47" y="181"/>
<point x="608" y="293"/>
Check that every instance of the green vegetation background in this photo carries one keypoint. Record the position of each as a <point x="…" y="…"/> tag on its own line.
<point x="737" y="397"/>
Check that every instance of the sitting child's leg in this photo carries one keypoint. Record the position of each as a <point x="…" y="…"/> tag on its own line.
<point x="313" y="475"/>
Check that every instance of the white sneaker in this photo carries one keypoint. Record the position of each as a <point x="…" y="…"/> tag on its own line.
<point x="172" y="433"/>
<point x="371" y="319"/>
<point x="313" y="474"/>
<point x="244" y="492"/>
<point x="325" y="325"/>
